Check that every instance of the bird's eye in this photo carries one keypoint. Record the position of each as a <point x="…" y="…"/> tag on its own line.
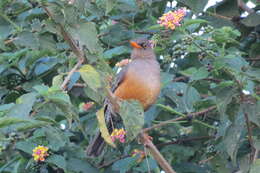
<point x="143" y="45"/>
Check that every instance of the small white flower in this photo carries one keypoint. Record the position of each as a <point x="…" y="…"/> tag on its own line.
<point x="172" y="65"/>
<point x="169" y="5"/>
<point x="246" y="92"/>
<point x="174" y="4"/>
<point x="161" y="57"/>
<point x="62" y="126"/>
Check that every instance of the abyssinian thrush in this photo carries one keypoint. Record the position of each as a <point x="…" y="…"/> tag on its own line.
<point x="138" y="80"/>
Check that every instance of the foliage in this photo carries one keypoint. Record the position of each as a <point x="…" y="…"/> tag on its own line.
<point x="212" y="60"/>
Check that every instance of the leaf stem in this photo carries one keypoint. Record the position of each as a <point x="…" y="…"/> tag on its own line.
<point x="193" y="115"/>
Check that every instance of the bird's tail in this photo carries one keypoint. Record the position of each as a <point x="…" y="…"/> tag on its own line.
<point x="96" y="146"/>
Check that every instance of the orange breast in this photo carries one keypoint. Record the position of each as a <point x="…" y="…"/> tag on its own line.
<point x="133" y="87"/>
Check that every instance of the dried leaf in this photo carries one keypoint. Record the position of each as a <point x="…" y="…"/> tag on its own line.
<point x="103" y="127"/>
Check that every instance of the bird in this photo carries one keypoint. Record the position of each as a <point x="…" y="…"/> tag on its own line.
<point x="138" y="80"/>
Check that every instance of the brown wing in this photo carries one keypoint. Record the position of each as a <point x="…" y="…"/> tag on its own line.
<point x="119" y="78"/>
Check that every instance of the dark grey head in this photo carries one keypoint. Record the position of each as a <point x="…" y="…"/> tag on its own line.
<point x="141" y="43"/>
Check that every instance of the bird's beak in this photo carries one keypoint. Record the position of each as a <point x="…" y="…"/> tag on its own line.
<point x="135" y="45"/>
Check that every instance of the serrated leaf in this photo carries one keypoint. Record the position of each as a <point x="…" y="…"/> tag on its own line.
<point x="24" y="106"/>
<point x="182" y="95"/>
<point x="57" y="80"/>
<point x="90" y="76"/>
<point x="82" y="166"/>
<point x="133" y="118"/>
<point x="27" y="39"/>
<point x="57" y="160"/>
<point x="251" y="20"/>
<point x="124" y="165"/>
<point x="56" y="138"/>
<point x="86" y="34"/>
<point x="103" y="127"/>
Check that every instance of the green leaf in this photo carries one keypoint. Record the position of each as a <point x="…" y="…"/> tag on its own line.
<point x="253" y="111"/>
<point x="27" y="39"/>
<point x="124" y="165"/>
<point x="103" y="127"/>
<point x="251" y="20"/>
<point x="115" y="52"/>
<point x="195" y="7"/>
<point x="133" y="117"/>
<point x="255" y="167"/>
<point x="57" y="160"/>
<point x="233" y="134"/>
<point x="201" y="73"/>
<point x="24" y="106"/>
<point x="189" y="71"/>
<point x="193" y="21"/>
<point x="86" y="34"/>
<point x="57" y="80"/>
<point x="90" y="76"/>
<point x="110" y="4"/>
<point x="6" y="106"/>
<point x="26" y="146"/>
<point x="42" y="89"/>
<point x="182" y="95"/>
<point x="82" y="166"/>
<point x="56" y="138"/>
<point x="60" y="97"/>
<point x="7" y="121"/>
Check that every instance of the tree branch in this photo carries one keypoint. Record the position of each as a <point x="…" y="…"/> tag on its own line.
<point x="184" y="140"/>
<point x="191" y="115"/>
<point x="145" y="139"/>
<point x="252" y="59"/>
<point x="250" y="138"/>
<point x="106" y="164"/>
<point x="74" y="47"/>
<point x="67" y="79"/>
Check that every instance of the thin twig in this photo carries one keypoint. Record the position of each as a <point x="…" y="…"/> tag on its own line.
<point x="183" y="78"/>
<point x="74" y="47"/>
<point x="106" y="164"/>
<point x="206" y="160"/>
<point x="67" y="79"/>
<point x="155" y="153"/>
<point x="67" y="37"/>
<point x="80" y="85"/>
<point x="10" y="40"/>
<point x="184" y="140"/>
<point x="191" y="115"/>
<point x="250" y="137"/>
<point x="218" y="16"/>
<point x="252" y="59"/>
<point x="144" y="32"/>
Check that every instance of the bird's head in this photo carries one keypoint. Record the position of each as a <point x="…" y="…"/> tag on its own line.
<point x="142" y="48"/>
<point x="141" y="43"/>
